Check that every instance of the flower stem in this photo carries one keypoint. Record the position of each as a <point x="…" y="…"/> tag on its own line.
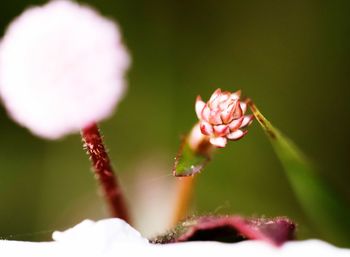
<point x="104" y="173"/>
<point x="200" y="145"/>
<point x="184" y="192"/>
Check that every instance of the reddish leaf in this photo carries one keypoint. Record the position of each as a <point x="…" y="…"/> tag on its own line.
<point x="231" y="229"/>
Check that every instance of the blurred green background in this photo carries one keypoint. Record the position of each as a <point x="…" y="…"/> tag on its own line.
<point x="291" y="57"/>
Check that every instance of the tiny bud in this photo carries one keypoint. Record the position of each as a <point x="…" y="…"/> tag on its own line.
<point x="221" y="118"/>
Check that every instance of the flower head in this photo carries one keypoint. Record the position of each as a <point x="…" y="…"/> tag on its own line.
<point x="62" y="68"/>
<point x="222" y="117"/>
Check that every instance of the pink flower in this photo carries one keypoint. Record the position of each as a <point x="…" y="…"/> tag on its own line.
<point x="222" y="117"/>
<point x="62" y="67"/>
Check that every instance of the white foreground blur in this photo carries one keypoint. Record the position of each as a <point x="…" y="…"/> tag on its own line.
<point x="114" y="237"/>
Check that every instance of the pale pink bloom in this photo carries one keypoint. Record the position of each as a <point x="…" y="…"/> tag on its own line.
<point x="222" y="117"/>
<point x="62" y="67"/>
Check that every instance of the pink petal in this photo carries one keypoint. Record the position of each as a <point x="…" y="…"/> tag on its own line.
<point x="205" y="113"/>
<point x="244" y="107"/>
<point x="215" y="117"/>
<point x="227" y="114"/>
<point x="199" y="107"/>
<point x="236" y="124"/>
<point x="238" y="134"/>
<point x="216" y="102"/>
<point x="215" y="94"/>
<point x="221" y="130"/>
<point x="238" y="111"/>
<point x="247" y="120"/>
<point x="224" y="96"/>
<point x="218" y="141"/>
<point x="236" y="95"/>
<point x="206" y="128"/>
<point x="226" y="102"/>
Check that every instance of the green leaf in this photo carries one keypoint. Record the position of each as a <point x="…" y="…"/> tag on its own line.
<point x="188" y="162"/>
<point x="324" y="207"/>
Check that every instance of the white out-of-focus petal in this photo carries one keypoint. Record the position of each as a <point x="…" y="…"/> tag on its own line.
<point x="221" y="130"/>
<point x="199" y="107"/>
<point x="248" y="119"/>
<point x="62" y="67"/>
<point x="235" y="124"/>
<point x="311" y="247"/>
<point x="235" y="135"/>
<point x="100" y="232"/>
<point x="218" y="141"/>
<point x="113" y="237"/>
<point x="206" y="128"/>
<point x="91" y="238"/>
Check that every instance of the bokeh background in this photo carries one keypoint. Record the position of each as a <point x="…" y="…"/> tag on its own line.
<point x="291" y="57"/>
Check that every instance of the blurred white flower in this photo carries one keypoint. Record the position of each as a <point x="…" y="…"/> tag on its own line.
<point x="62" y="67"/>
<point x="114" y="237"/>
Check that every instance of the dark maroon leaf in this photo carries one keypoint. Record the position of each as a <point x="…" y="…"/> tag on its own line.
<point x="231" y="229"/>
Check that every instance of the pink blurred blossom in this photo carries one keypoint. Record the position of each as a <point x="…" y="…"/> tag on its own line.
<point x="62" y="67"/>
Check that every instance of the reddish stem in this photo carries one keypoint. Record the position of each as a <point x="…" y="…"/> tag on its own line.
<point x="104" y="173"/>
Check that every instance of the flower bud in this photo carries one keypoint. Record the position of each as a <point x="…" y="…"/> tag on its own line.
<point x="222" y="117"/>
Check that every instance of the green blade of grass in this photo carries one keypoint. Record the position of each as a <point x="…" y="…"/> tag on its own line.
<point x="324" y="207"/>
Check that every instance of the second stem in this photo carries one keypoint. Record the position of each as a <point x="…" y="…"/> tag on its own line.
<point x="104" y="173"/>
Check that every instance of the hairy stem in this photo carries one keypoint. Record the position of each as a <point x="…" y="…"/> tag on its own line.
<point x="104" y="173"/>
